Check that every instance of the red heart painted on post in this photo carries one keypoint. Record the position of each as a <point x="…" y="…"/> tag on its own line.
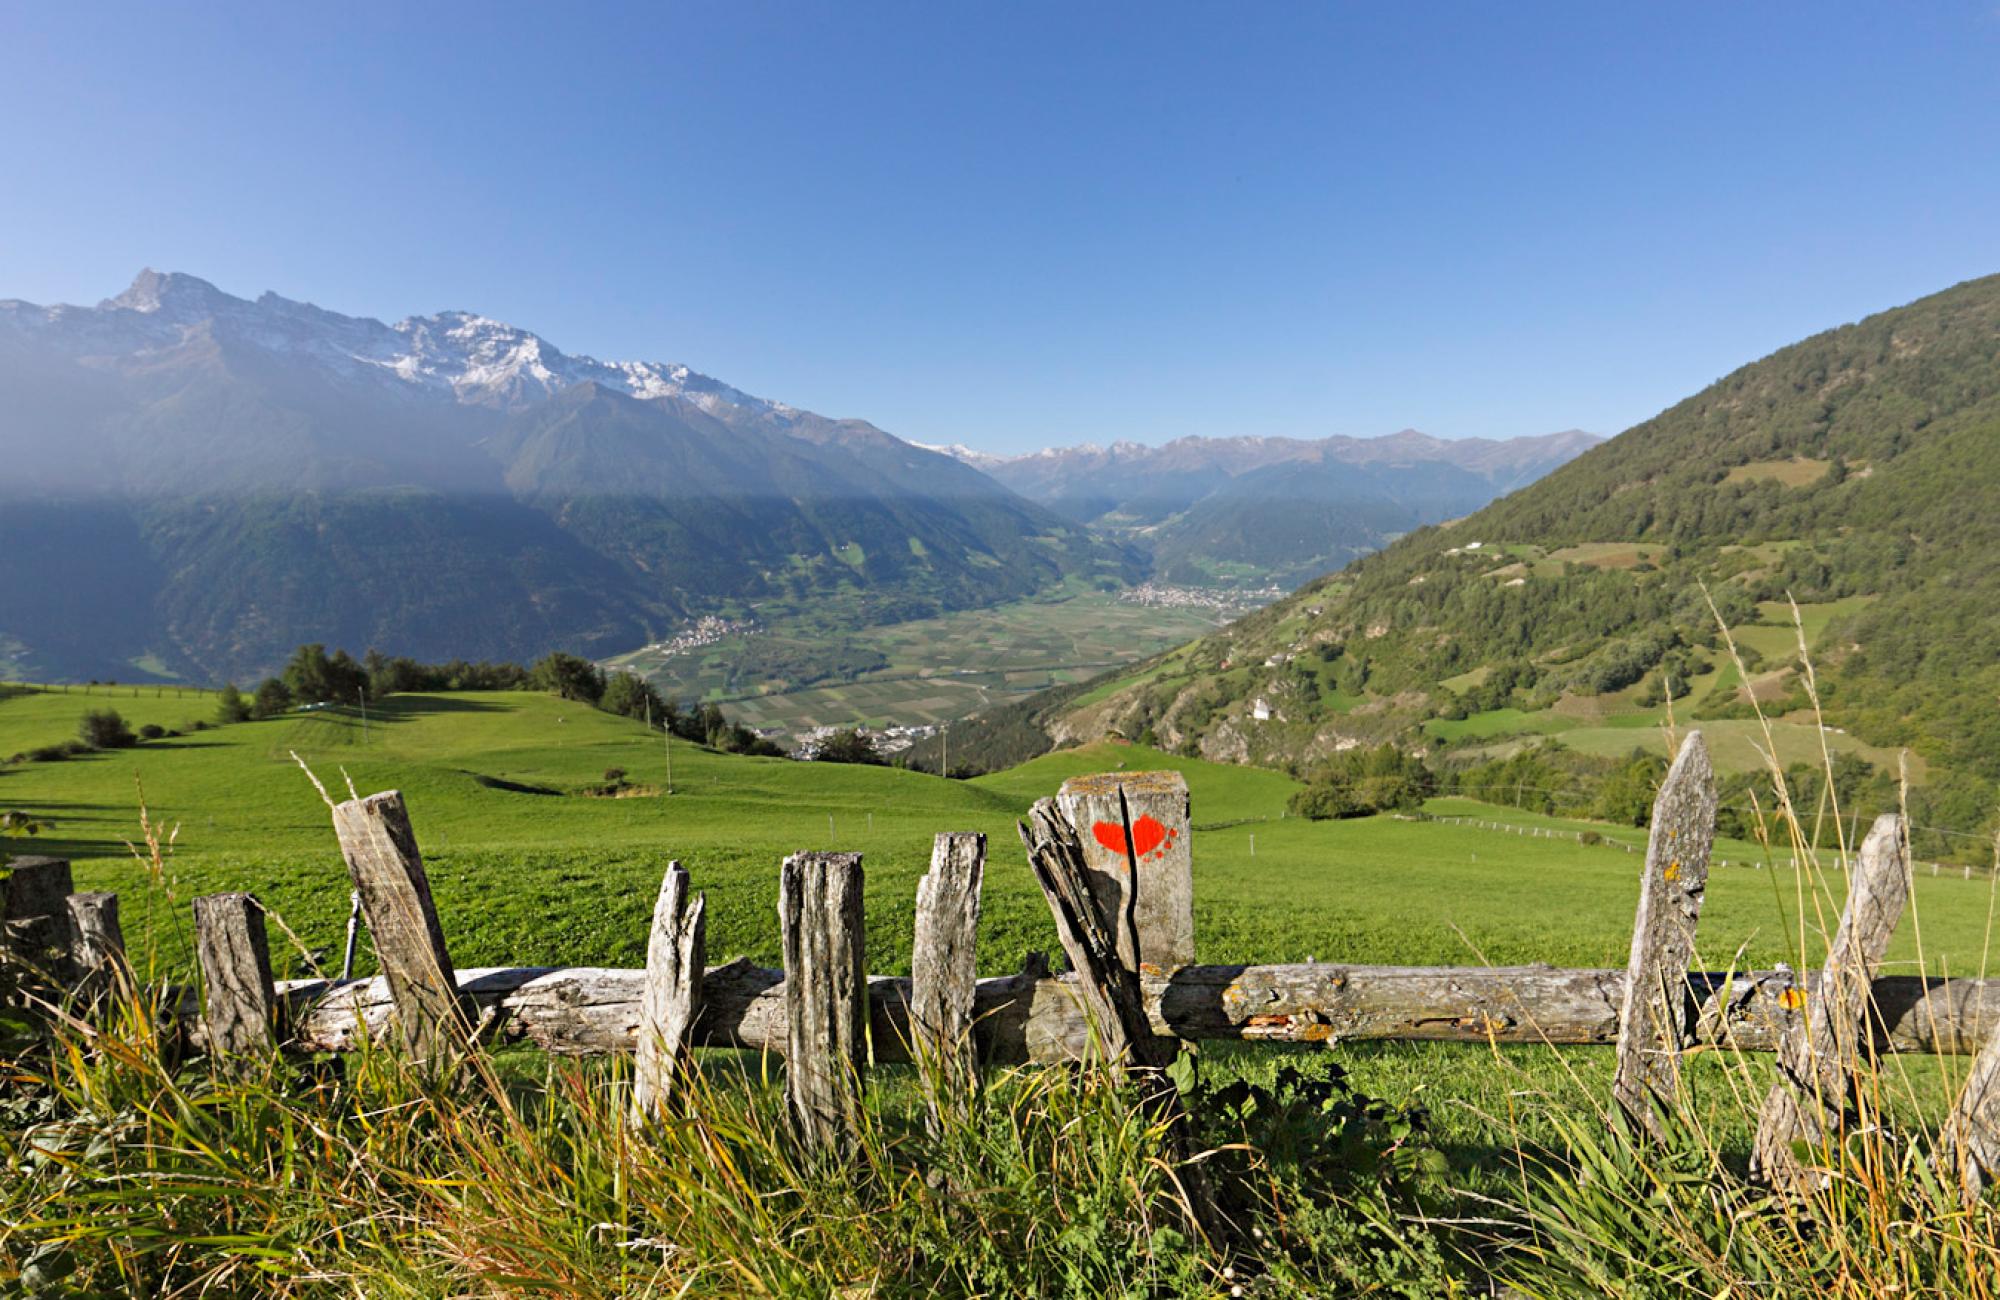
<point x="1147" y="833"/>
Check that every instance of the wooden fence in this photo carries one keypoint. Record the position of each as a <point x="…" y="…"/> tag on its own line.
<point x="1113" y="856"/>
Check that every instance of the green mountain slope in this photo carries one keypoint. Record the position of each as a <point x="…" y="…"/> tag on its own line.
<point x="1854" y="472"/>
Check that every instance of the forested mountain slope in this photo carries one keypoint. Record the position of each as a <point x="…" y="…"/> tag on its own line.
<point x="1856" y="471"/>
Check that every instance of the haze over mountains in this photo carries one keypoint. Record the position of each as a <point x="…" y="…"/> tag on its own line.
<point x="196" y="482"/>
<point x="1275" y="510"/>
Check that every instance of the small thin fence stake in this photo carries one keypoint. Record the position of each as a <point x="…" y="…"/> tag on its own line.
<point x="388" y="873"/>
<point x="676" y="949"/>
<point x="235" y="958"/>
<point x="1813" y="1098"/>
<point x="944" y="973"/>
<point x="1656" y="1019"/>
<point x="826" y="994"/>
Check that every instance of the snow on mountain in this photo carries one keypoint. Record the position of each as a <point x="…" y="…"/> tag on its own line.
<point x="475" y="359"/>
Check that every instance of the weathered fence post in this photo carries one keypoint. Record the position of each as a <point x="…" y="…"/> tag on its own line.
<point x="97" y="940"/>
<point x="1816" y="1059"/>
<point x="1138" y="850"/>
<point x="235" y="959"/>
<point x="676" y="950"/>
<point x="1656" y="1017"/>
<point x="944" y="973"/>
<point x="826" y="993"/>
<point x="1113" y="996"/>
<point x="34" y="914"/>
<point x="1969" y="1145"/>
<point x="388" y="872"/>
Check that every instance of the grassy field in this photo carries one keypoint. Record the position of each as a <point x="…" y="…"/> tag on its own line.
<point x="924" y="672"/>
<point x="527" y="869"/>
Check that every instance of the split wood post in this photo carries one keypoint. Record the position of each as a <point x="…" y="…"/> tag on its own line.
<point x="34" y="915"/>
<point x="1812" y="1099"/>
<point x="1656" y="1018"/>
<point x="1969" y="1146"/>
<point x="235" y="958"/>
<point x="1138" y="850"/>
<point x="944" y="975"/>
<point x="388" y="872"/>
<point x="826" y="994"/>
<point x="676" y="950"/>
<point x="97" y="941"/>
<point x="1114" y="999"/>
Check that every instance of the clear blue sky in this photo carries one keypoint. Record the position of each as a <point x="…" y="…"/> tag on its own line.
<point x="1015" y="224"/>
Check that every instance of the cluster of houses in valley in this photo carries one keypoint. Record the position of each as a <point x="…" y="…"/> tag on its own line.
<point x="704" y="631"/>
<point x="1162" y="595"/>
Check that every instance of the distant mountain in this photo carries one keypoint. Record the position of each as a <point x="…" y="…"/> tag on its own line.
<point x="1855" y="471"/>
<point x="1232" y="511"/>
<point x="195" y="482"/>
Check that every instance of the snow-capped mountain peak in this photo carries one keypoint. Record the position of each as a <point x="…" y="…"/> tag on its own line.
<point x="474" y="359"/>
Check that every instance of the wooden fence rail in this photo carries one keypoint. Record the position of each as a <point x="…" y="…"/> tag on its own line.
<point x="1113" y="855"/>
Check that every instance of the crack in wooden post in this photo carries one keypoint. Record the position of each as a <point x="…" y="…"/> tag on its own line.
<point x="944" y="975"/>
<point x="1657" y="1014"/>
<point x="239" y="1000"/>
<point x="675" y="952"/>
<point x="1113" y="994"/>
<point x="1813" y="1100"/>
<point x="382" y="858"/>
<point x="1134" y="831"/>
<point x="826" y="995"/>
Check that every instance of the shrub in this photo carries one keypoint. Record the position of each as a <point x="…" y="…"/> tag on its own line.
<point x="850" y="746"/>
<point x="273" y="698"/>
<point x="105" y="729"/>
<point x="230" y="706"/>
<point x="152" y="731"/>
<point x="568" y="676"/>
<point x="1362" y="782"/>
<point x="614" y="776"/>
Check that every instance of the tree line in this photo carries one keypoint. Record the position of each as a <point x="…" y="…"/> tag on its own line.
<point x="313" y="676"/>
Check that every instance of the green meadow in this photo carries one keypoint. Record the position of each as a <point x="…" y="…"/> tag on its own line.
<point x="530" y="867"/>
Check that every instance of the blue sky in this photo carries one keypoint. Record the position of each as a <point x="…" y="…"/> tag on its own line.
<point x="1020" y="224"/>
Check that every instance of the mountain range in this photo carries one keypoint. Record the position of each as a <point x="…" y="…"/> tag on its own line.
<point x="196" y="482"/>
<point x="1257" y="510"/>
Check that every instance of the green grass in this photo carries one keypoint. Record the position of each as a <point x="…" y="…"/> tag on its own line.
<point x="553" y="877"/>
<point x="558" y="878"/>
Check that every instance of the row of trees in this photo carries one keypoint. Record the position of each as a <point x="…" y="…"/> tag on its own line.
<point x="314" y="676"/>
